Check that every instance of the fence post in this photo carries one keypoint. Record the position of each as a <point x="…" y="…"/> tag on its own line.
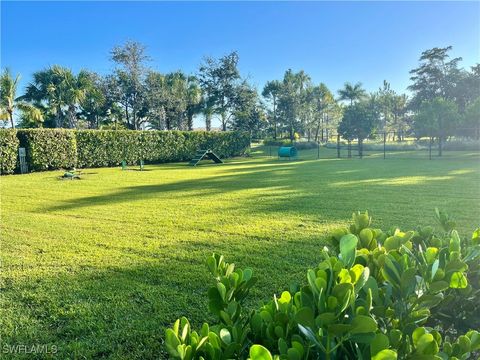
<point x="338" y="146"/>
<point x="349" y="148"/>
<point x="430" y="149"/>
<point x="318" y="149"/>
<point x="384" y="144"/>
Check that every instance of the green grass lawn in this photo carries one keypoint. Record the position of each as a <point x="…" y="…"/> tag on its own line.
<point x="100" y="266"/>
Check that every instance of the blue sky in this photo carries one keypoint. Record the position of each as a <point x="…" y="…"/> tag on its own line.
<point x="333" y="42"/>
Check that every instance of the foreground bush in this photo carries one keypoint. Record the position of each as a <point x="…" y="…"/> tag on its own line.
<point x="8" y="150"/>
<point x="374" y="295"/>
<point x="49" y="149"/>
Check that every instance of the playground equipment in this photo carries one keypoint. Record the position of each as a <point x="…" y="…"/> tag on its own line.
<point x="205" y="154"/>
<point x="71" y="175"/>
<point x="289" y="152"/>
<point x="125" y="166"/>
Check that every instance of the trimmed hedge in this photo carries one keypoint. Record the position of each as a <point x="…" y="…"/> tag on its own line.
<point x="49" y="149"/>
<point x="97" y="148"/>
<point x="8" y="150"/>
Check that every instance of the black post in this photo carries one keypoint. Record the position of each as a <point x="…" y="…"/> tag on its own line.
<point x="349" y="148"/>
<point x="384" y="144"/>
<point x="338" y="146"/>
<point x="440" y="146"/>
<point x="318" y="149"/>
<point x="430" y="149"/>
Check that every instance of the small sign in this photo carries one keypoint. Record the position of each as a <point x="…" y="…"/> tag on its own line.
<point x="22" y="155"/>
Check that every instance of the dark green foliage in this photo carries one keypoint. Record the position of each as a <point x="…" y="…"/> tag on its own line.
<point x="8" y="151"/>
<point x="97" y="148"/>
<point x="374" y="295"/>
<point x="49" y="149"/>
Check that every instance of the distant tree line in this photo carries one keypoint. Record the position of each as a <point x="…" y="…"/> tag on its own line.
<point x="444" y="101"/>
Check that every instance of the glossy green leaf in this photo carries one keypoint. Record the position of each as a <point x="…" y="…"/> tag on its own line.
<point x="458" y="280"/>
<point x="438" y="286"/>
<point x="225" y="336"/>
<point x="348" y="247"/>
<point x="385" y="354"/>
<point x="379" y="343"/>
<point x="258" y="352"/>
<point x="363" y="324"/>
<point x="305" y="317"/>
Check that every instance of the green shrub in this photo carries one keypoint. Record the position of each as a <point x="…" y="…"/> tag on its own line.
<point x="49" y="149"/>
<point x="277" y="142"/>
<point x="8" y="151"/>
<point x="300" y="145"/>
<point x="97" y="148"/>
<point x="306" y="145"/>
<point x="374" y="295"/>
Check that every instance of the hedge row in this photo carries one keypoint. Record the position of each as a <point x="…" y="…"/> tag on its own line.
<point x="8" y="151"/>
<point x="49" y="149"/>
<point x="98" y="148"/>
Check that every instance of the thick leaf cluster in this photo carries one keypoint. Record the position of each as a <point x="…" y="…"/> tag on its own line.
<point x="375" y="295"/>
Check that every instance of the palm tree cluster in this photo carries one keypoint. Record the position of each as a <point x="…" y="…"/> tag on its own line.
<point x="134" y="96"/>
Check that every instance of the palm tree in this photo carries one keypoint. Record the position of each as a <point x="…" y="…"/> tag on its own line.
<point x="194" y="100"/>
<point x="352" y="92"/>
<point x="272" y="91"/>
<point x="60" y="90"/>
<point x="9" y="102"/>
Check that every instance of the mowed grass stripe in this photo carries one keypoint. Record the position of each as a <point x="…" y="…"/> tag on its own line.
<point x="100" y="266"/>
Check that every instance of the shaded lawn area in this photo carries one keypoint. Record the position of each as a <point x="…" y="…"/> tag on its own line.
<point x="100" y="266"/>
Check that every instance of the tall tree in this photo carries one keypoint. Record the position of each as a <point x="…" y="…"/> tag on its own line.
<point x="291" y="100"/>
<point x="358" y="122"/>
<point x="392" y="108"/>
<point x="194" y="100"/>
<point x="271" y="91"/>
<point x="472" y="119"/>
<point x="9" y="102"/>
<point x="130" y="75"/>
<point x="219" y="80"/>
<point x="436" y="77"/>
<point x="437" y="119"/>
<point x="60" y="91"/>
<point x="96" y="106"/>
<point x="322" y="105"/>
<point x="352" y="93"/>
<point x="248" y="115"/>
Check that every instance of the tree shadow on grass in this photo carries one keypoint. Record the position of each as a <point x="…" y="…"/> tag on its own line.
<point x="121" y="312"/>
<point x="326" y="189"/>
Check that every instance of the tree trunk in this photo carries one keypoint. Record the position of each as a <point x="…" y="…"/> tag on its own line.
<point x="338" y="145"/>
<point x="317" y="130"/>
<point x="208" y="122"/>
<point x="58" y="120"/>
<point x="190" y="122"/>
<point x="126" y="115"/>
<point x="72" y="119"/>
<point x="10" y="115"/>
<point x="224" y="122"/>
<point x="274" y="118"/>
